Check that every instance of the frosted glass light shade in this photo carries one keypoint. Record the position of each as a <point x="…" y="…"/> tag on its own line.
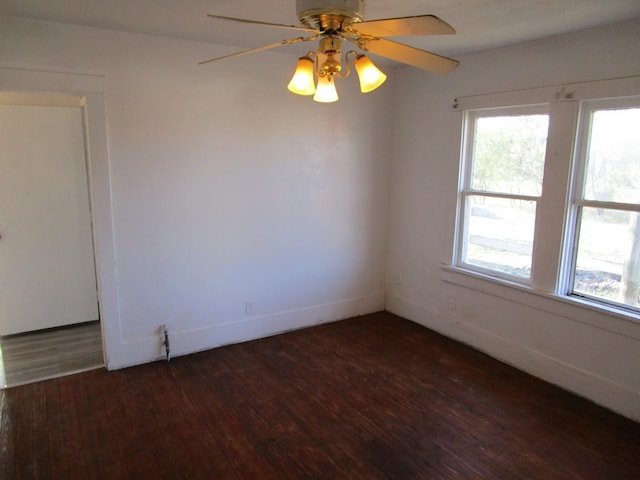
<point x="302" y="82"/>
<point x="326" y="91"/>
<point x="370" y="76"/>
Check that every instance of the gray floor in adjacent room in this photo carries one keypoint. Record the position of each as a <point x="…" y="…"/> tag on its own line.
<point x="34" y="356"/>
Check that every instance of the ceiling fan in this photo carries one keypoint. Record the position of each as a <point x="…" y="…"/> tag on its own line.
<point x="331" y="22"/>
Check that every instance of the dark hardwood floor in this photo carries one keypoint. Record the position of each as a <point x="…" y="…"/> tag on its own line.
<point x="368" y="398"/>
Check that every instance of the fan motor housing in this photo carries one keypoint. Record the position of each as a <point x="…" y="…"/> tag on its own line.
<point x="332" y="15"/>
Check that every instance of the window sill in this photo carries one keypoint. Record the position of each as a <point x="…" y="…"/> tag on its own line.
<point x="572" y="308"/>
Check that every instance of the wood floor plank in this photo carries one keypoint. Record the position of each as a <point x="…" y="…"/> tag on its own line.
<point x="7" y="435"/>
<point x="71" y="432"/>
<point x="374" y="397"/>
<point x="24" y="453"/>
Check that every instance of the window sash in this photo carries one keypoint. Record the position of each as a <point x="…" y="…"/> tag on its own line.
<point x="466" y="191"/>
<point x="513" y="245"/>
<point x="578" y="202"/>
<point x="627" y="207"/>
<point x="583" y="138"/>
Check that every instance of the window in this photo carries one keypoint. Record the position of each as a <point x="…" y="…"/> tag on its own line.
<point x="549" y="192"/>
<point x="606" y="209"/>
<point x="504" y="166"/>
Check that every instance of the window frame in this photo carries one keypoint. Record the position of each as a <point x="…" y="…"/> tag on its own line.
<point x="465" y="190"/>
<point x="577" y="201"/>
<point x="552" y="262"/>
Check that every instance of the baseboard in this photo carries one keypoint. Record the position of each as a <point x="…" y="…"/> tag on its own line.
<point x="183" y="342"/>
<point x="616" y="397"/>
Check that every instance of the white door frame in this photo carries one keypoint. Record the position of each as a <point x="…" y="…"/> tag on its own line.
<point x="91" y="88"/>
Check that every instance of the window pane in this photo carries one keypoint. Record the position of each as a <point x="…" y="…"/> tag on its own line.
<point x="608" y="256"/>
<point x="499" y="234"/>
<point x="508" y="154"/>
<point x="613" y="158"/>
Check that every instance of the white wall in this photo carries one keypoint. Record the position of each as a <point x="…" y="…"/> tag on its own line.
<point x="593" y="354"/>
<point x="222" y="187"/>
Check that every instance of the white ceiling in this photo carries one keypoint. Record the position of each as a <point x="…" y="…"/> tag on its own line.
<point x="480" y="24"/>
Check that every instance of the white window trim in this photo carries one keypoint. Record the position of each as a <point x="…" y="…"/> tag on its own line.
<point x="548" y="279"/>
<point x="576" y="197"/>
<point x="576" y="309"/>
<point x="465" y="190"/>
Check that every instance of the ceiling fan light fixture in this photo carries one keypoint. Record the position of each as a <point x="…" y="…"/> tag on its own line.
<point x="302" y="82"/>
<point x="371" y="77"/>
<point x="326" y="91"/>
<point x="333" y="21"/>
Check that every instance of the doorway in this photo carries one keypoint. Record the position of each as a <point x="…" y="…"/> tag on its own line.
<point x="48" y="287"/>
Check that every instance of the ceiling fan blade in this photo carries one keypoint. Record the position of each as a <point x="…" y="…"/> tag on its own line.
<point x="405" y="26"/>
<point x="264" y="24"/>
<point x="406" y="54"/>
<point x="261" y="49"/>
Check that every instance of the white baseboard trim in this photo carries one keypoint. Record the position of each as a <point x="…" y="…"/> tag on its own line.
<point x="614" y="396"/>
<point x="184" y="342"/>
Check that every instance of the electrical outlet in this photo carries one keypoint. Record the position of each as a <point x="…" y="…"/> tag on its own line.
<point x="452" y="303"/>
<point x="396" y="287"/>
<point x="250" y="307"/>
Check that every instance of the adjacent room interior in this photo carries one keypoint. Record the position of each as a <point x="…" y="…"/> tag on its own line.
<point x="223" y="209"/>
<point x="50" y="323"/>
